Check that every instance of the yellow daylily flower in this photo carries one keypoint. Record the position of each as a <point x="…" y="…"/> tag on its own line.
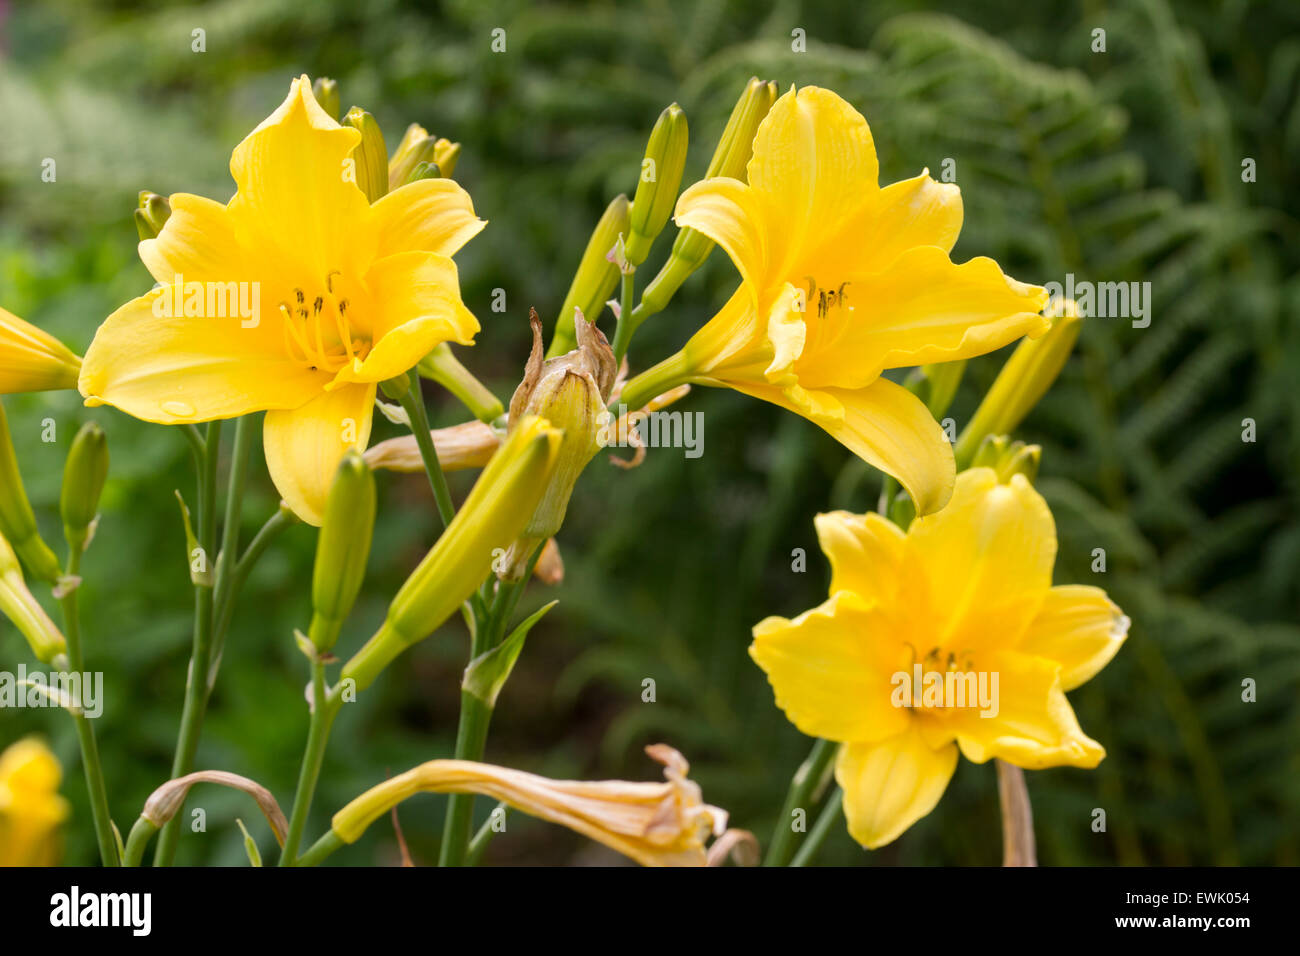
<point x="656" y="824"/>
<point x="947" y="637"/>
<point x="841" y="280"/>
<point x="335" y="295"/>
<point x="31" y="808"/>
<point x="32" y="360"/>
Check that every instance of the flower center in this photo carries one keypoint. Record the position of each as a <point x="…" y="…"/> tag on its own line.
<point x="943" y="682"/>
<point x="824" y="300"/>
<point x="317" y="331"/>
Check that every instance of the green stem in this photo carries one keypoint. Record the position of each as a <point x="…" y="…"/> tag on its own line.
<point x="826" y="822"/>
<point x="413" y="401"/>
<point x="137" y="840"/>
<point x="667" y="375"/>
<point x="322" y="719"/>
<point x="196" y="695"/>
<point x="271" y="530"/>
<point x="478" y="846"/>
<point x="321" y="849"/>
<point x="805" y="780"/>
<point x="85" y="732"/>
<point x="626" y="319"/>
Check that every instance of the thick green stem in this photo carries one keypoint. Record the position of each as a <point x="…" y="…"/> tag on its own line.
<point x="321" y="849"/>
<point x="85" y="732"/>
<point x="665" y="376"/>
<point x="626" y="318"/>
<point x="413" y="401"/>
<point x="323" y="712"/>
<point x="137" y="840"/>
<point x="802" y="784"/>
<point x="196" y="695"/>
<point x="826" y="822"/>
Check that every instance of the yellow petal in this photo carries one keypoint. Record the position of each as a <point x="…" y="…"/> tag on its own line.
<point x="891" y="784"/>
<point x="198" y="242"/>
<point x="191" y="369"/>
<point x="891" y="429"/>
<point x="922" y="309"/>
<point x="1034" y="726"/>
<point x="32" y="360"/>
<point x="865" y="552"/>
<point x="815" y="163"/>
<point x="429" y="215"/>
<point x="1079" y="628"/>
<point x="830" y="669"/>
<point x="304" y="446"/>
<point x="975" y="574"/>
<point x="732" y="215"/>
<point x="417" y="297"/>
<point x="298" y="202"/>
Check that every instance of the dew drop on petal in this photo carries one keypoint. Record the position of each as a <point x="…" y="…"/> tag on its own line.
<point x="179" y="409"/>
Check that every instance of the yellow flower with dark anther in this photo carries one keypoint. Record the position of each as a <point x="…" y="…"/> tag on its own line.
<point x="297" y="297"/>
<point x="947" y="637"/>
<point x="656" y="824"/>
<point x="31" y="808"/>
<point x="32" y="360"/>
<point x="841" y="280"/>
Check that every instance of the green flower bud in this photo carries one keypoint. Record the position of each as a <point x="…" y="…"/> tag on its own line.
<point x="370" y="155"/>
<point x="17" y="521"/>
<point x="1008" y="457"/>
<point x="416" y="148"/>
<point x="1024" y="379"/>
<point x="342" y="549"/>
<point x="152" y="214"/>
<point x="730" y="159"/>
<point x="326" y="92"/>
<point x="83" y="481"/>
<point x="22" y="609"/>
<point x="596" y="277"/>
<point x="501" y="503"/>
<point x="661" y="178"/>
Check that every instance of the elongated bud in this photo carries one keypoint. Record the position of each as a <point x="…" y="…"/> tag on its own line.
<point x="442" y="366"/>
<point x="83" y="481"/>
<point x="22" y="609"/>
<point x="596" y="276"/>
<point x="326" y="92"/>
<point x="1024" y="379"/>
<point x="17" y="521"/>
<point x="151" y="214"/>
<point x="1008" y="457"/>
<point x="418" y="147"/>
<point x="501" y="503"/>
<point x="370" y="156"/>
<point x="661" y="178"/>
<point x="730" y="159"/>
<point x="342" y="549"/>
<point x="569" y="391"/>
<point x="446" y="154"/>
<point x="33" y="360"/>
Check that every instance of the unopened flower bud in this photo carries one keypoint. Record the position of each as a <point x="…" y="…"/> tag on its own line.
<point x="151" y="214"/>
<point x="417" y="147"/>
<point x="342" y="549"/>
<point x="730" y="159"/>
<point x="501" y="503"/>
<point x="1024" y="379"/>
<point x="34" y="360"/>
<point x="370" y="156"/>
<point x="326" y="92"/>
<point x="661" y="178"/>
<point x="17" y="521"/>
<point x="18" y="604"/>
<point x="596" y="276"/>
<point x="83" y="482"/>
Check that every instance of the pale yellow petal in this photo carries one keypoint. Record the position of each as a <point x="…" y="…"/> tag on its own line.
<point x="865" y="552"/>
<point x="1078" y="627"/>
<point x="169" y="369"/>
<point x="831" y="668"/>
<point x="416" y="297"/>
<point x="975" y="574"/>
<point x="1034" y="726"/>
<point x="922" y="309"/>
<point x="429" y="215"/>
<point x="891" y="784"/>
<point x="304" y="446"/>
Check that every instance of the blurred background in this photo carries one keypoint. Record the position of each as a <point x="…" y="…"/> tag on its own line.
<point x="1117" y="166"/>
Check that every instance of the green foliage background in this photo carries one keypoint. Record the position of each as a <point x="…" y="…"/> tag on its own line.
<point x="1122" y="165"/>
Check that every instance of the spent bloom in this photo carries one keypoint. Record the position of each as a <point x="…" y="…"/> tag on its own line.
<point x="840" y="280"/>
<point x="918" y="626"/>
<point x="335" y="295"/>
